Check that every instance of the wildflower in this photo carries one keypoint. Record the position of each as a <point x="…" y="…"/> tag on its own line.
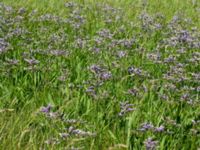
<point x="91" y="91"/>
<point x="80" y="43"/>
<point x="96" y="69"/>
<point x="105" y="33"/>
<point x="62" y="78"/>
<point x="164" y="97"/>
<point x="74" y="121"/>
<point x="185" y="97"/>
<point x="13" y="61"/>
<point x="133" y="91"/>
<point x="52" y="141"/>
<point x="126" y="43"/>
<point x="98" y="40"/>
<point x="125" y="108"/>
<point x="154" y="56"/>
<point x="3" y="45"/>
<point x="70" y="4"/>
<point x="150" y="144"/>
<point x="160" y="129"/>
<point x="146" y="126"/>
<point x="121" y="54"/>
<point x="198" y="89"/>
<point x="58" y="52"/>
<point x="82" y="133"/>
<point x="21" y="11"/>
<point x="194" y="131"/>
<point x="46" y="109"/>
<point x="32" y="61"/>
<point x="181" y="51"/>
<point x="170" y="59"/>
<point x="64" y="135"/>
<point x="157" y="26"/>
<point x="134" y="71"/>
<point x="105" y="75"/>
<point x="9" y="9"/>
<point x="79" y="132"/>
<point x="54" y="115"/>
<point x="195" y="122"/>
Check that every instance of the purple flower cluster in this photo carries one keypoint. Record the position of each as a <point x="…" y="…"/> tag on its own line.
<point x="150" y="144"/>
<point x="3" y="45"/>
<point x="144" y="127"/>
<point x="125" y="107"/>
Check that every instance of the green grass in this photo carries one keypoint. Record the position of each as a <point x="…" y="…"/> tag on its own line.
<point x="23" y="92"/>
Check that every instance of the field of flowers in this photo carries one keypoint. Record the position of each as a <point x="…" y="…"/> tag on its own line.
<point x="100" y="75"/>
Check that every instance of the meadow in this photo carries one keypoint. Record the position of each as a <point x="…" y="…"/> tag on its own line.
<point x="100" y="75"/>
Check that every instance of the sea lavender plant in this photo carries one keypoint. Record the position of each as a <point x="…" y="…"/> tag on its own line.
<point x="150" y="144"/>
<point x="32" y="61"/>
<point x="58" y="52"/>
<point x="121" y="54"/>
<point x="159" y="129"/>
<point x="12" y="61"/>
<point x="105" y="76"/>
<point x="79" y="132"/>
<point x="46" y="109"/>
<point x="134" y="71"/>
<point x="3" y="45"/>
<point x="146" y="126"/>
<point x="125" y="107"/>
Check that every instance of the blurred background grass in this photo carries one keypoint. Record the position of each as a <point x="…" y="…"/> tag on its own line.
<point x="132" y="7"/>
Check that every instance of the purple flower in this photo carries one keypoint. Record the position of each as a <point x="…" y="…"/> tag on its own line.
<point x="170" y="59"/>
<point x="105" y="33"/>
<point x="95" y="49"/>
<point x="74" y="121"/>
<point x="32" y="61"/>
<point x="164" y="97"/>
<point x="80" y="43"/>
<point x="185" y="96"/>
<point x="54" y="115"/>
<point x="125" y="108"/>
<point x="46" y="109"/>
<point x="79" y="132"/>
<point x="126" y="43"/>
<point x="105" y="75"/>
<point x="160" y="129"/>
<point x="58" y="52"/>
<point x="13" y="61"/>
<point x="133" y="91"/>
<point x="134" y="71"/>
<point x="64" y="135"/>
<point x="3" y="45"/>
<point x="21" y="11"/>
<point x="150" y="144"/>
<point x="96" y="69"/>
<point x="52" y="141"/>
<point x="70" y="4"/>
<point x="121" y="54"/>
<point x="130" y="70"/>
<point x="62" y="78"/>
<point x="146" y="126"/>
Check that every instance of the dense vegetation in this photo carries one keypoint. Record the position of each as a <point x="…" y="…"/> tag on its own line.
<point x="100" y="75"/>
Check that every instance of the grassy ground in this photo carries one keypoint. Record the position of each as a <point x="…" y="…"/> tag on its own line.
<point x="98" y="75"/>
